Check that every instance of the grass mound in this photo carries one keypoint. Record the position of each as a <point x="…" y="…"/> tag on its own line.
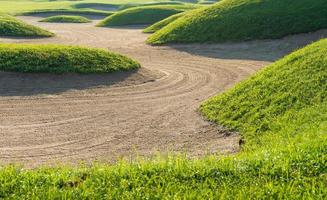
<point x="143" y="15"/>
<point x="207" y="2"/>
<point x="61" y="59"/>
<point x="10" y="26"/>
<point x="131" y="5"/>
<point x="89" y="13"/>
<point x="159" y="25"/>
<point x="238" y="20"/>
<point x="97" y="6"/>
<point x="66" y="19"/>
<point x="282" y="114"/>
<point x="294" y="83"/>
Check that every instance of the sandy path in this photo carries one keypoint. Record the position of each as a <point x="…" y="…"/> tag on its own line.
<point x="72" y="118"/>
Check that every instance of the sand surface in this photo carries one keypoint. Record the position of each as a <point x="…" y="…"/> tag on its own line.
<point x="71" y="118"/>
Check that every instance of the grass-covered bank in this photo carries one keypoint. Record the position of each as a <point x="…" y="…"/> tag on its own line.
<point x="143" y="15"/>
<point x="61" y="59"/>
<point x="83" y="13"/>
<point x="19" y="6"/>
<point x="66" y="19"/>
<point x="239" y="20"/>
<point x="159" y="25"/>
<point x="282" y="114"/>
<point x="10" y="26"/>
<point x="277" y="93"/>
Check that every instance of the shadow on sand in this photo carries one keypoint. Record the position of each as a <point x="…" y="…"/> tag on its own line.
<point x="262" y="50"/>
<point x="28" y="84"/>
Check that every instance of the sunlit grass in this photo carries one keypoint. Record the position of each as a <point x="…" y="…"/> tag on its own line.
<point x="61" y="59"/>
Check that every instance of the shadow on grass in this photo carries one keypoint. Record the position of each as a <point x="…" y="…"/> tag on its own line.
<point x="263" y="50"/>
<point x="28" y="84"/>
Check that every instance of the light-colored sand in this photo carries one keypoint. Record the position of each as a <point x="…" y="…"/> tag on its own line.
<point x="71" y="118"/>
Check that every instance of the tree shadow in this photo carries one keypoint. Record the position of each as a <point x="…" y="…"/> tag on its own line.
<point x="262" y="50"/>
<point x="28" y="84"/>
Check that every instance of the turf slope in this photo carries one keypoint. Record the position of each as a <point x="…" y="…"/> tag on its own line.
<point x="61" y="59"/>
<point x="159" y="25"/>
<point x="66" y="19"/>
<point x="143" y="15"/>
<point x="10" y="26"/>
<point x="239" y="20"/>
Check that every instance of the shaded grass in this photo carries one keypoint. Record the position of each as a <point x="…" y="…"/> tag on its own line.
<point x="61" y="59"/>
<point x="159" y="25"/>
<point x="10" y="26"/>
<point x="282" y="114"/>
<point x="66" y="19"/>
<point x="143" y="15"/>
<point x="239" y="20"/>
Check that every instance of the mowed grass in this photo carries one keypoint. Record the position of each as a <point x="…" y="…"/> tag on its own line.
<point x="20" y="6"/>
<point x="74" y="12"/>
<point x="61" y="59"/>
<point x="239" y="20"/>
<point x="159" y="25"/>
<point x="143" y="15"/>
<point x="282" y="114"/>
<point x="66" y="19"/>
<point x="10" y="26"/>
<point x="97" y="6"/>
<point x="133" y="4"/>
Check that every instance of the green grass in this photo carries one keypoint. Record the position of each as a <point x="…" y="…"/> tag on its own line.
<point x="132" y="5"/>
<point x="143" y="15"/>
<point x="296" y="82"/>
<point x="282" y="114"/>
<point x="61" y="59"/>
<point x="66" y="19"/>
<point x="97" y="6"/>
<point x="20" y="6"/>
<point x="79" y="12"/>
<point x="10" y="26"/>
<point x="206" y="2"/>
<point x="159" y="25"/>
<point x="240" y="20"/>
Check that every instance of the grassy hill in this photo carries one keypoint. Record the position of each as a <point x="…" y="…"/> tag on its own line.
<point x="61" y="59"/>
<point x="282" y="114"/>
<point x="97" y="6"/>
<point x="10" y="26"/>
<point x="281" y="91"/>
<point x="19" y="6"/>
<point x="143" y="15"/>
<point x="239" y="20"/>
<point x="131" y="5"/>
<point x="159" y="25"/>
<point x="89" y="13"/>
<point x="66" y="19"/>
